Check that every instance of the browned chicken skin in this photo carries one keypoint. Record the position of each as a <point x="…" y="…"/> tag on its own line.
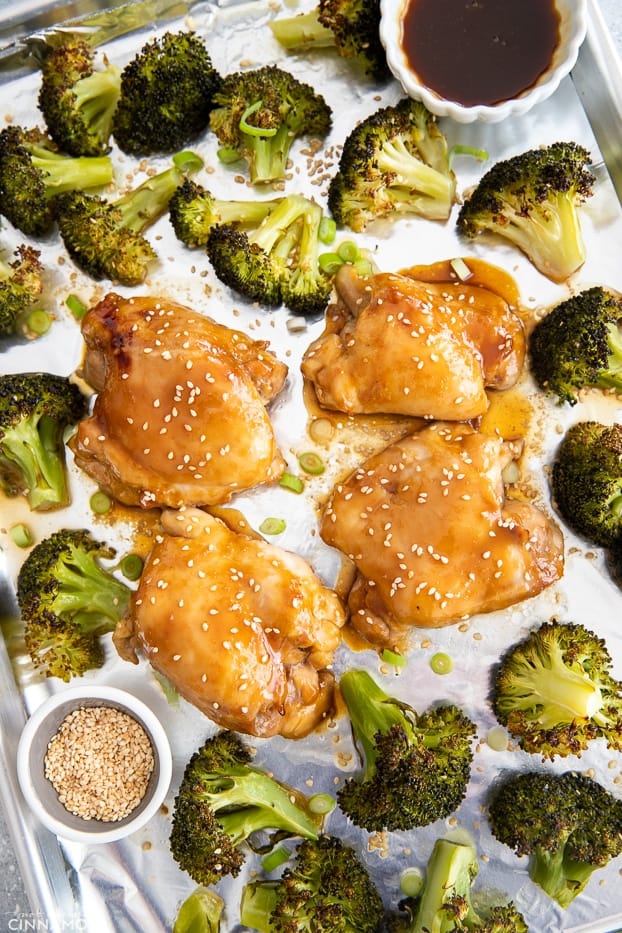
<point x="180" y="418"/>
<point x="433" y="537"/>
<point x="426" y="349"/>
<point x="243" y="629"/>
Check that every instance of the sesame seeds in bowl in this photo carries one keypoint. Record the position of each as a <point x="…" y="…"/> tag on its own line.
<point x="481" y="61"/>
<point x="94" y="765"/>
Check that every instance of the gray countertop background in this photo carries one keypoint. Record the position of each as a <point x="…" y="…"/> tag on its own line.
<point x="14" y="908"/>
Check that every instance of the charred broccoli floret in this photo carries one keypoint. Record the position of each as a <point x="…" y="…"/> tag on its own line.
<point x="446" y="904"/>
<point x="555" y="693"/>
<point x="20" y="286"/>
<point x="396" y="161"/>
<point x="33" y="171"/>
<point x="105" y="238"/>
<point x="351" y="27"/>
<point x="568" y="824"/>
<point x="416" y="766"/>
<point x="225" y="804"/>
<point x="586" y="481"/>
<point x="35" y="411"/>
<point x="167" y="93"/>
<point x="77" y="99"/>
<point x="194" y="210"/>
<point x="326" y="889"/>
<point x="68" y="600"/>
<point x="532" y="200"/>
<point x="578" y="345"/>
<point x="259" y="113"/>
<point x="278" y="261"/>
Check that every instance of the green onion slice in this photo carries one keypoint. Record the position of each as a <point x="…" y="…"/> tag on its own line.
<point x="272" y="526"/>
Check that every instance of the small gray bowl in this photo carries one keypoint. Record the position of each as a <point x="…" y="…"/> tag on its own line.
<point x="40" y="794"/>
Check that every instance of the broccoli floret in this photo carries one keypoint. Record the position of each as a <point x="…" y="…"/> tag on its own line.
<point x="532" y="200"/>
<point x="35" y="411"/>
<point x="259" y="113"/>
<point x="416" y="766"/>
<point x="201" y="912"/>
<point x="614" y="562"/>
<point x="586" y="481"/>
<point x="579" y="345"/>
<point x="445" y="901"/>
<point x="351" y="27"/>
<point x="105" y="238"/>
<point x="278" y="261"/>
<point x="568" y="824"/>
<point x="395" y="161"/>
<point x="67" y="601"/>
<point x="555" y="693"/>
<point x="167" y="93"/>
<point x="20" y="286"/>
<point x="194" y="210"/>
<point x="33" y="171"/>
<point x="225" y="804"/>
<point x="77" y="99"/>
<point x="326" y="889"/>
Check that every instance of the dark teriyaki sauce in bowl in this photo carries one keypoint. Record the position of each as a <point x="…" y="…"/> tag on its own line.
<point x="480" y="51"/>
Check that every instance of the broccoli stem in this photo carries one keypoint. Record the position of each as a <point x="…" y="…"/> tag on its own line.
<point x="96" y="97"/>
<point x="612" y="379"/>
<point x="395" y="159"/>
<point x="562" y="879"/>
<point x="271" y="153"/>
<point x="370" y="710"/>
<point x="565" y="694"/>
<point x="33" y="446"/>
<point x="549" y="234"/>
<point x="142" y="206"/>
<point x="271" y="235"/>
<point x="256" y="905"/>
<point x="301" y="32"/>
<point x="62" y="173"/>
<point x="89" y="595"/>
<point x="251" y="802"/>
<point x="449" y="876"/>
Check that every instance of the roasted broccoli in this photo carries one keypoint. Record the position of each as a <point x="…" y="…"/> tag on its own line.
<point x="167" y="93"/>
<point x="578" y="345"/>
<point x="68" y="600"/>
<point x="20" y="286"/>
<point x="259" y="113"/>
<point x="33" y="171"/>
<point x="77" y="99"/>
<point x="278" y="261"/>
<point x="586" y="481"/>
<point x="351" y="27"/>
<point x="568" y="824"/>
<point x="532" y="200"/>
<point x="35" y="411"/>
<point x="396" y="161"/>
<point x="194" y="210"/>
<point x="326" y="888"/>
<point x="446" y="903"/>
<point x="416" y="766"/>
<point x="555" y="693"/>
<point x="105" y="238"/>
<point x="201" y="912"/>
<point x="225" y="804"/>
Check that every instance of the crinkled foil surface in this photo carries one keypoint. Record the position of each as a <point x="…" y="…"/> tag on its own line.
<point x="135" y="885"/>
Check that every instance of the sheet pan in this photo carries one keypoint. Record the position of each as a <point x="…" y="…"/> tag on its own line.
<point x="134" y="885"/>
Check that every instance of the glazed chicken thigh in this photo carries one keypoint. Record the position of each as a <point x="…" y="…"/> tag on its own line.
<point x="396" y="345"/>
<point x="433" y="537"/>
<point x="243" y="629"/>
<point x="180" y="417"/>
